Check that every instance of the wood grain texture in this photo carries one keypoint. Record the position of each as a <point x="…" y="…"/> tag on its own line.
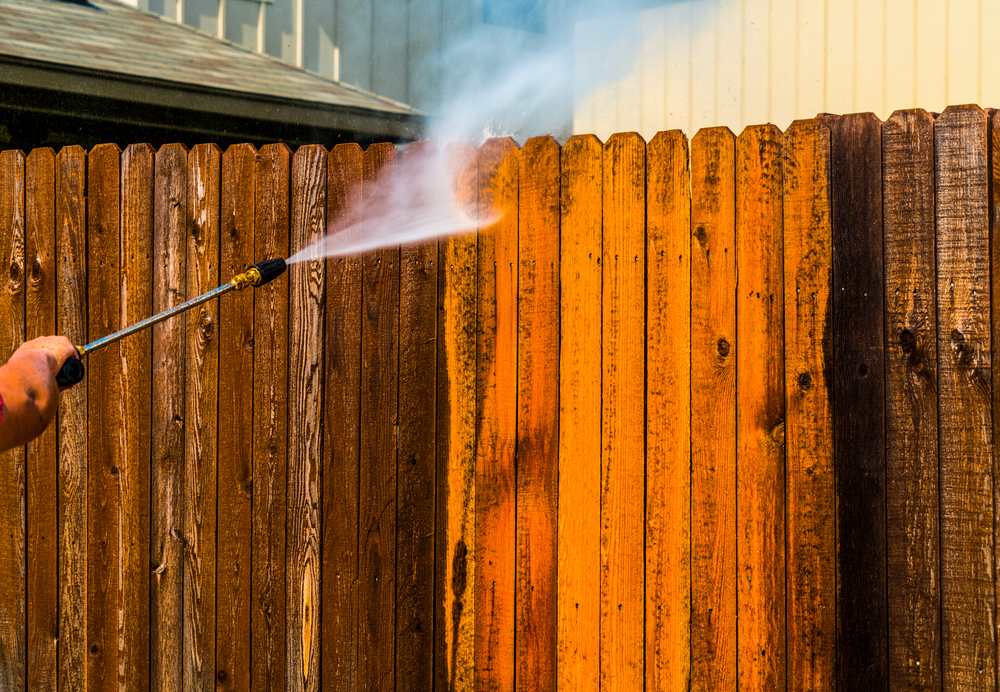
<point x="272" y="173"/>
<point x="911" y="414"/>
<point x="713" y="411"/>
<point x="580" y="451"/>
<point x="965" y="456"/>
<point x="416" y="480"/>
<point x="456" y="438"/>
<point x="305" y="404"/>
<point x="71" y="321"/>
<point x="105" y="415"/>
<point x="379" y="434"/>
<point x="623" y="395"/>
<point x="496" y="417"/>
<point x="668" y="413"/>
<point x="166" y="523"/>
<point x="811" y="582"/>
<point x="41" y="457"/>
<point x="760" y="405"/>
<point x="341" y="433"/>
<point x="536" y="588"/>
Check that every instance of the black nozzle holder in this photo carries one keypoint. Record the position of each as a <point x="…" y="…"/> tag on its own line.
<point x="270" y="269"/>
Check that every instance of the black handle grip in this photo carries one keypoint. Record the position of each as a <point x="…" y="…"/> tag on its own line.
<point x="71" y="372"/>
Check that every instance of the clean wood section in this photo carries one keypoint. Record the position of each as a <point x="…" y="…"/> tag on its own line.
<point x="965" y="458"/>
<point x="236" y="423"/>
<point x="416" y="482"/>
<point x="105" y="417"/>
<point x="71" y="321"/>
<point x="166" y="551"/>
<point x="537" y="416"/>
<point x="579" y="540"/>
<point x="859" y="400"/>
<point x="496" y="417"/>
<point x="668" y="412"/>
<point x="994" y="135"/>
<point x="270" y="425"/>
<point x="456" y="436"/>
<point x="624" y="397"/>
<point x="911" y="414"/>
<point x="811" y="585"/>
<point x="713" y="411"/>
<point x="760" y="426"/>
<point x="307" y="288"/>
<point x="41" y="460"/>
<point x="341" y="434"/>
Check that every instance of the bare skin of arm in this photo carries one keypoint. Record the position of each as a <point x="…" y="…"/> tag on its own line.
<point x="29" y="389"/>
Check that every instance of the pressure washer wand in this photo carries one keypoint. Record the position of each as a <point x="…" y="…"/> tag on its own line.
<point x="259" y="274"/>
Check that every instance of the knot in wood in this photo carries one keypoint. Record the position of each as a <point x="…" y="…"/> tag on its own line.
<point x="15" y="274"/>
<point x="907" y="341"/>
<point x="37" y="275"/>
<point x="805" y="381"/>
<point x="701" y="235"/>
<point x="957" y="336"/>
<point x="723" y="348"/>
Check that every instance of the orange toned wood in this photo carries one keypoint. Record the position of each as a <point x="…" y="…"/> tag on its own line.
<point x="341" y="433"/>
<point x="624" y="393"/>
<point x="136" y="376"/>
<point x="456" y="438"/>
<point x="713" y="411"/>
<point x="911" y="416"/>
<point x="41" y="461"/>
<point x="760" y="427"/>
<point x="809" y="481"/>
<point x="379" y="387"/>
<point x="537" y="415"/>
<point x="579" y="549"/>
<point x="496" y="417"/>
<point x="305" y="402"/>
<point x="964" y="402"/>
<point x="71" y="321"/>
<point x="105" y="415"/>
<point x="270" y="425"/>
<point x="668" y="412"/>
<point x="166" y="551"/>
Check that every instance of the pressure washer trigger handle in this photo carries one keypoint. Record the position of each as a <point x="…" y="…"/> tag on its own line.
<point x="71" y="372"/>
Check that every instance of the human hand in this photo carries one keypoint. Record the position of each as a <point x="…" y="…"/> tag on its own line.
<point x="45" y="352"/>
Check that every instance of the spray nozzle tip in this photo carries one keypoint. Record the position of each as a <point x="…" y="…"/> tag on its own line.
<point x="269" y="270"/>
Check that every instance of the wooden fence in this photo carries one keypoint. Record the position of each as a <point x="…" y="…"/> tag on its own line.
<point x="717" y="416"/>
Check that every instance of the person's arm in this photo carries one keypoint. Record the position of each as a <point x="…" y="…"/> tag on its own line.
<point x="29" y="389"/>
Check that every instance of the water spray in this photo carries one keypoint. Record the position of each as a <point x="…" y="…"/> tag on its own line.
<point x="258" y="274"/>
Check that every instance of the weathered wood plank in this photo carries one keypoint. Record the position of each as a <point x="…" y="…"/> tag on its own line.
<point x="536" y="588"/>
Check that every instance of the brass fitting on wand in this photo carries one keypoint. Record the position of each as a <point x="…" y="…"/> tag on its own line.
<point x="251" y="277"/>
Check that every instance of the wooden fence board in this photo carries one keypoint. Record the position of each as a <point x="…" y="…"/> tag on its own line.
<point x="911" y="416"/>
<point x="41" y="457"/>
<point x="270" y="425"/>
<point x="994" y="159"/>
<point x="713" y="411"/>
<point x="71" y="290"/>
<point x="964" y="399"/>
<point x="537" y="415"/>
<point x="105" y="416"/>
<point x="668" y="412"/>
<point x="496" y="417"/>
<point x="579" y="499"/>
<point x="624" y="398"/>
<point x="416" y="481"/>
<point x="341" y="442"/>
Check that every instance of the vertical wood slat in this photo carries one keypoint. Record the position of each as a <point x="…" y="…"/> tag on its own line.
<point x="911" y="437"/>
<point x="236" y="423"/>
<point x="416" y="481"/>
<point x="536" y="586"/>
<point x="964" y="399"/>
<point x="305" y="401"/>
<point x="496" y="417"/>
<point x="379" y="385"/>
<point x="580" y="450"/>
<point x="342" y="435"/>
<point x="994" y="159"/>
<point x="713" y="411"/>
<point x="41" y="458"/>
<point x="71" y="321"/>
<point x="623" y="429"/>
<point x="105" y="416"/>
<point x="668" y="412"/>
<point x="270" y="425"/>
<point x="810" y="490"/>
